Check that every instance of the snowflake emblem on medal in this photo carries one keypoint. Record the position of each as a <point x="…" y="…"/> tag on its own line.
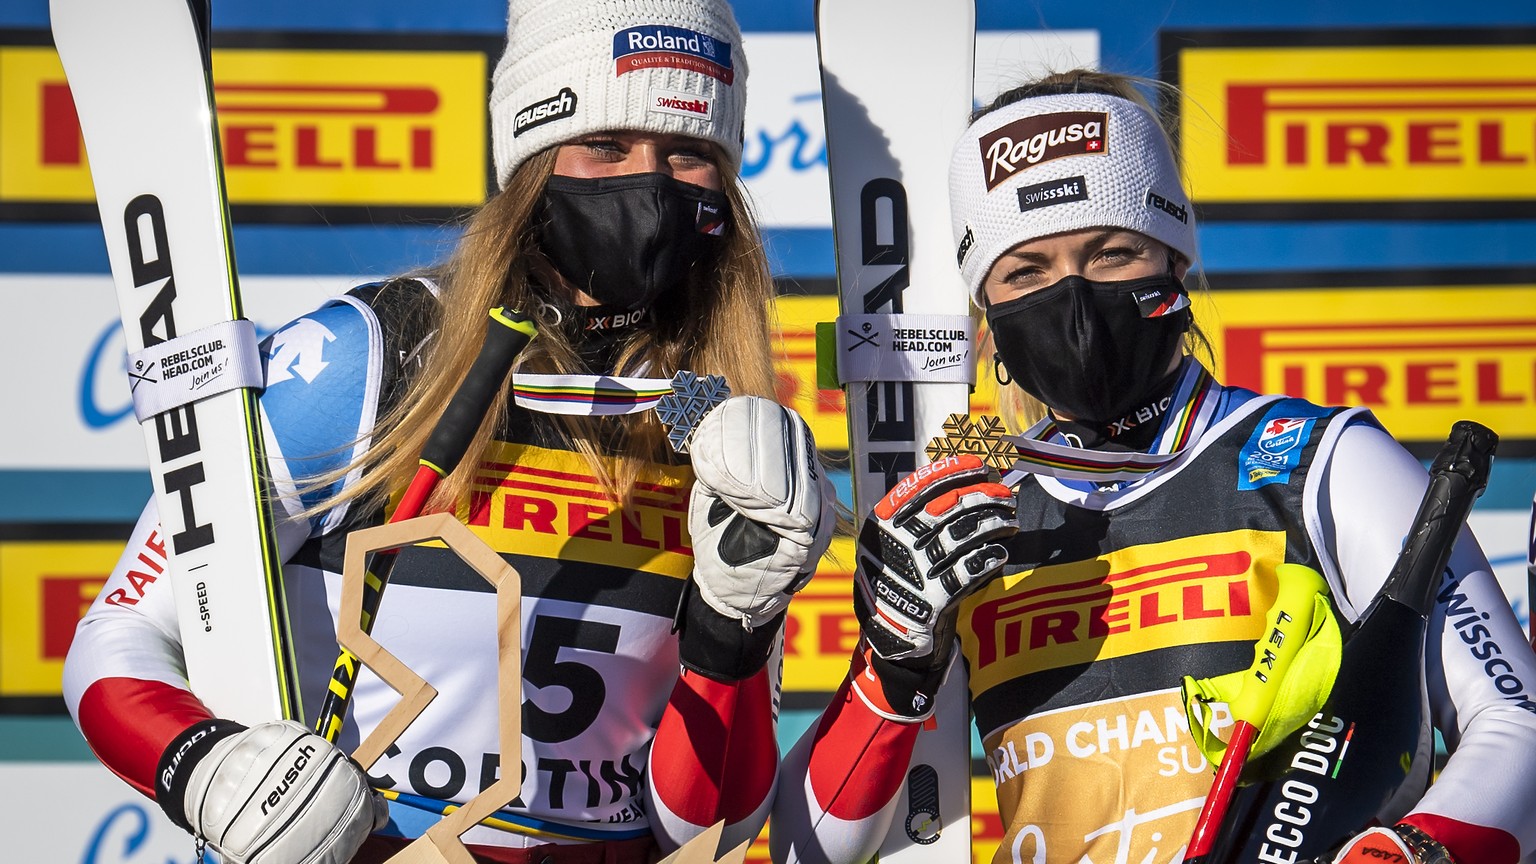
<point x="692" y="397"/>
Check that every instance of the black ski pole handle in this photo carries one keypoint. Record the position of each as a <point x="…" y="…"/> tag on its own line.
<point x="1457" y="477"/>
<point x="507" y="334"/>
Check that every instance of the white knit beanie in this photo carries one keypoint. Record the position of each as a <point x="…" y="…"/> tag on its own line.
<point x="573" y="67"/>
<point x="1049" y="164"/>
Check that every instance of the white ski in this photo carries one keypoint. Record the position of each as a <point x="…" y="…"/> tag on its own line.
<point x="139" y="73"/>
<point x="896" y="93"/>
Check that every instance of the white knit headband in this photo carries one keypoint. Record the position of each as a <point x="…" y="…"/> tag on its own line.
<point x="573" y="67"/>
<point x="1049" y="164"/>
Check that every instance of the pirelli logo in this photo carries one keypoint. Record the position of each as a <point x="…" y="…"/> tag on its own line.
<point x="1419" y="357"/>
<point x="1342" y="123"/>
<point x="1202" y="589"/>
<point x="548" y="503"/>
<point x="305" y="132"/>
<point x="1348" y="124"/>
<point x="48" y="586"/>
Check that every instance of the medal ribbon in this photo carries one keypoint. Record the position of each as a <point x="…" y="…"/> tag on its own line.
<point x="588" y="395"/>
<point x="1038" y="453"/>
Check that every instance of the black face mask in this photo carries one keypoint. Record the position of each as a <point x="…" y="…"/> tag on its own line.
<point x="1092" y="351"/>
<point x="625" y="240"/>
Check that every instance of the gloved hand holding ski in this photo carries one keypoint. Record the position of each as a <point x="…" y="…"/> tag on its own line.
<point x="761" y="512"/>
<point x="927" y="544"/>
<point x="274" y="792"/>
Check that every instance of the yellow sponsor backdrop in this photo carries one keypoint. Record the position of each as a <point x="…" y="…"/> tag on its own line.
<point x="821" y="630"/>
<point x="824" y="410"/>
<point x="986" y="824"/>
<point x="1362" y="123"/>
<point x="27" y="77"/>
<point x="311" y="127"/>
<point x="1420" y="358"/>
<point x="45" y="586"/>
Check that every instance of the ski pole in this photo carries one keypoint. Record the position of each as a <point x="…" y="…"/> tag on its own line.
<point x="1378" y="710"/>
<point x="507" y="334"/>
<point x="1288" y="621"/>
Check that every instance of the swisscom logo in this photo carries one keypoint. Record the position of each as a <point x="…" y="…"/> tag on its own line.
<point x="675" y="47"/>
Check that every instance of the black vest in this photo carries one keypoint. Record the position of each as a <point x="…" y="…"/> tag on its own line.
<point x="1130" y="591"/>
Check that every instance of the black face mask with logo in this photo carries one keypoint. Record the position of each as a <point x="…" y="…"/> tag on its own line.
<point x="626" y="240"/>
<point x="1092" y="351"/>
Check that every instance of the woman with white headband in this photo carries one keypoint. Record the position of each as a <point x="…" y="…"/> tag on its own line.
<point x="654" y="585"/>
<point x="1080" y="605"/>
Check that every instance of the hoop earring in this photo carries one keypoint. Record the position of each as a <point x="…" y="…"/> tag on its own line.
<point x="999" y="371"/>
<point x="546" y="310"/>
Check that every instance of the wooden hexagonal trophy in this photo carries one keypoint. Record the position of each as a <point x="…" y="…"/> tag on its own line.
<point x="442" y="843"/>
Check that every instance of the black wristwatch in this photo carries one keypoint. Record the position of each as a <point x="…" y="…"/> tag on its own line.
<point x="1425" y="848"/>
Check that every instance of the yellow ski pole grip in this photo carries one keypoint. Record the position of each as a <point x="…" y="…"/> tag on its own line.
<point x="1286" y="627"/>
<point x="1287" y="623"/>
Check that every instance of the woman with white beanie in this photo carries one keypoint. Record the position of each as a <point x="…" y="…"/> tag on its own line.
<point x="1140" y="552"/>
<point x="654" y="585"/>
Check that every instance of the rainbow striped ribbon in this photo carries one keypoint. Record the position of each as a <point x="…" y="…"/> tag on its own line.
<point x="1037" y="454"/>
<point x="588" y="395"/>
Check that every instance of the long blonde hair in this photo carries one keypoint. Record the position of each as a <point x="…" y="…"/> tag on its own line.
<point x="719" y="325"/>
<point x="1020" y="410"/>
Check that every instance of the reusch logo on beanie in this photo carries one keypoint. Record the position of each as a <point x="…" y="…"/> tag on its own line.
<point x="563" y="104"/>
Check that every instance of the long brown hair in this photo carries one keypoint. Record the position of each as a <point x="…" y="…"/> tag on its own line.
<point x="1019" y="409"/>
<point x="719" y="325"/>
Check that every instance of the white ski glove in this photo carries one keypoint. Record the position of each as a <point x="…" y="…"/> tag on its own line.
<point x="927" y="544"/>
<point x="274" y="793"/>
<point x="762" y="509"/>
